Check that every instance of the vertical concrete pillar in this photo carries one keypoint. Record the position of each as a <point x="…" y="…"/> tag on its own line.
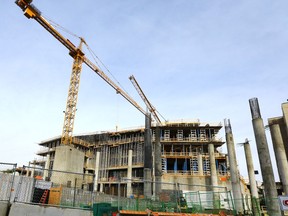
<point x="252" y="180"/>
<point x="284" y="126"/>
<point x="284" y="107"/>
<point x="33" y="169"/>
<point x="148" y="157"/>
<point x="200" y="164"/>
<point x="97" y="164"/>
<point x="28" y="169"/>
<point x="157" y="161"/>
<point x="101" y="187"/>
<point x="279" y="151"/>
<point x="264" y="159"/>
<point x="129" y="173"/>
<point x="235" y="178"/>
<point x="214" y="177"/>
<point x="47" y="163"/>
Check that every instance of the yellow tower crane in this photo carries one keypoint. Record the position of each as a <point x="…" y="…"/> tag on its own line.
<point x="150" y="107"/>
<point x="30" y="11"/>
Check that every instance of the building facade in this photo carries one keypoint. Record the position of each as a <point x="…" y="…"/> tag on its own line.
<point x="184" y="153"/>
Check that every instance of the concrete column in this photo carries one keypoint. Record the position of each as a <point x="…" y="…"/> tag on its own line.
<point x="235" y="178"/>
<point x="284" y="126"/>
<point x="264" y="159"/>
<point x="129" y="173"/>
<point x="214" y="177"/>
<point x="200" y="164"/>
<point x="33" y="169"/>
<point x="148" y="157"/>
<point x="279" y="151"/>
<point x="252" y="180"/>
<point x="101" y="187"/>
<point x="147" y="183"/>
<point x="157" y="161"/>
<point x="47" y="163"/>
<point x="28" y="169"/>
<point x="284" y="107"/>
<point x="97" y="164"/>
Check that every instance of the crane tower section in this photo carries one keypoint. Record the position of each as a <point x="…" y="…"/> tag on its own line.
<point x="72" y="97"/>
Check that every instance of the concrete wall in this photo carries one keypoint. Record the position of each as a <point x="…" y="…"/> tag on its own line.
<point x="35" y="210"/>
<point x="3" y="208"/>
<point x="68" y="159"/>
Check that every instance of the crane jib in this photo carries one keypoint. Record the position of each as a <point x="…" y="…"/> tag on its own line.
<point x="30" y="11"/>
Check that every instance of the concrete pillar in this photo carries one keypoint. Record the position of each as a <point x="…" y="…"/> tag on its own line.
<point x="214" y="177"/>
<point x="28" y="169"/>
<point x="235" y="178"/>
<point x="157" y="161"/>
<point x="279" y="151"/>
<point x="264" y="159"/>
<point x="200" y="164"/>
<point x="148" y="157"/>
<point x="252" y="180"/>
<point x="284" y="126"/>
<point x="284" y="107"/>
<point x="129" y="173"/>
<point x="148" y="142"/>
<point x="97" y="164"/>
<point x="47" y="163"/>
<point x="33" y="169"/>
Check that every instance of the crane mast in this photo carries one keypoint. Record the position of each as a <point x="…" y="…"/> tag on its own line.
<point x="30" y="11"/>
<point x="145" y="99"/>
<point x="72" y="98"/>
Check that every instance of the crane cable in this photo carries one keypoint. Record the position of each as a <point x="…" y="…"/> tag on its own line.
<point x="94" y="56"/>
<point x="57" y="26"/>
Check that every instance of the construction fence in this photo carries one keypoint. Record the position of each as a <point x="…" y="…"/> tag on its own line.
<point x="76" y="190"/>
<point x="7" y="176"/>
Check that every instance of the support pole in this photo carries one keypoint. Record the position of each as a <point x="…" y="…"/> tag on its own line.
<point x="284" y="126"/>
<point x="235" y="178"/>
<point x="147" y="157"/>
<point x="264" y="159"/>
<point x="158" y="161"/>
<point x="279" y="151"/>
<point x="129" y="173"/>
<point x="214" y="176"/>
<point x="97" y="163"/>
<point x="200" y="164"/>
<point x="46" y="171"/>
<point x="252" y="180"/>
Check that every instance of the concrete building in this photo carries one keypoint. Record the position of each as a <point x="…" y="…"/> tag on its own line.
<point x="183" y="153"/>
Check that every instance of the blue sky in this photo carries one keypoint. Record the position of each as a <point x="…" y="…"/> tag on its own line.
<point x="193" y="59"/>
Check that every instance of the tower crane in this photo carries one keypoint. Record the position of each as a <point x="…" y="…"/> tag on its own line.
<point x="31" y="12"/>
<point x="145" y="99"/>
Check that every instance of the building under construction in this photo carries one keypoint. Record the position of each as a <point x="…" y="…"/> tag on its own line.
<point x="181" y="152"/>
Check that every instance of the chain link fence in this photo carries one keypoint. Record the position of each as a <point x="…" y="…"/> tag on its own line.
<point x="54" y="187"/>
<point x="77" y="190"/>
<point x="7" y="175"/>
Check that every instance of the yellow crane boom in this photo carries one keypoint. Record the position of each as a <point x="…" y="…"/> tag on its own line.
<point x="30" y="11"/>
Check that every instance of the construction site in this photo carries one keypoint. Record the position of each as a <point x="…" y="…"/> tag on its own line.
<point x="166" y="167"/>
